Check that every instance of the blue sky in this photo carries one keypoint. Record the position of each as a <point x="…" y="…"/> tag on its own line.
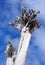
<point x="9" y="9"/>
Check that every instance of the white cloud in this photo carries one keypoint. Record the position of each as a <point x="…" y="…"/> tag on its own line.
<point x="14" y="41"/>
<point x="36" y="62"/>
<point x="13" y="1"/>
<point x="39" y="39"/>
<point x="7" y="38"/>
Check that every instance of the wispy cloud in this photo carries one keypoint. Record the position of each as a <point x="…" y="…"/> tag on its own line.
<point x="14" y="41"/>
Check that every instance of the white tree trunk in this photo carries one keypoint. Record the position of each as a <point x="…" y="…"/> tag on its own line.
<point x="21" y="40"/>
<point x="23" y="47"/>
<point x="9" y="61"/>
